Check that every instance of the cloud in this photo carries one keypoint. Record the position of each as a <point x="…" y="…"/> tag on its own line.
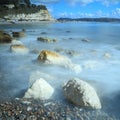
<point x="44" y="1"/>
<point x="96" y="14"/>
<point x="108" y="2"/>
<point x="82" y="2"/>
<point x="116" y="12"/>
<point x="85" y="2"/>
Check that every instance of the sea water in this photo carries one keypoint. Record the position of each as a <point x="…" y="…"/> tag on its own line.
<point x="95" y="49"/>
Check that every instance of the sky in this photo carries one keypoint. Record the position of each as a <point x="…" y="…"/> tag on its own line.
<point x="82" y="8"/>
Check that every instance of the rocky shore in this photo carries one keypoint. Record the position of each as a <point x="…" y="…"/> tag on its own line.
<point x="30" y="109"/>
<point x="78" y="92"/>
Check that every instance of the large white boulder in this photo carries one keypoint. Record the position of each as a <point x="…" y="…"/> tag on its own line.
<point x="82" y="94"/>
<point x="40" y="89"/>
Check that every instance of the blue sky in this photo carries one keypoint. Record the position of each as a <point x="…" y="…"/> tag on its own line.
<point x="82" y="8"/>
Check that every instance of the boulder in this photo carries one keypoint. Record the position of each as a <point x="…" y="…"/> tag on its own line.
<point x="40" y="89"/>
<point x="5" y="37"/>
<point x="45" y="39"/>
<point x="82" y="94"/>
<point x="51" y="57"/>
<point x="19" y="48"/>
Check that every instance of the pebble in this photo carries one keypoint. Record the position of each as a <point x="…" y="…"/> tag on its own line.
<point x="30" y="109"/>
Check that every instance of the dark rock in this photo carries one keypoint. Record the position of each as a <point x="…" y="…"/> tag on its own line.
<point x="19" y="34"/>
<point x="45" y="39"/>
<point x="5" y="37"/>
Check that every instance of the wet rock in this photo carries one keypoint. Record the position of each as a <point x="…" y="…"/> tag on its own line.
<point x="19" y="34"/>
<point x="68" y="31"/>
<point x="5" y="37"/>
<point x="35" y="51"/>
<point x="17" y="48"/>
<point x="66" y="51"/>
<point x="50" y="57"/>
<point x="43" y="32"/>
<point x="39" y="90"/>
<point x="82" y="94"/>
<point x="45" y="39"/>
<point x="85" y="40"/>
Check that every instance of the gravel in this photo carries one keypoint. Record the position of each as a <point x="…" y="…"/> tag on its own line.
<point x="30" y="109"/>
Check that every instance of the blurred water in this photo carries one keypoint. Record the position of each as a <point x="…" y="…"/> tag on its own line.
<point x="100" y="70"/>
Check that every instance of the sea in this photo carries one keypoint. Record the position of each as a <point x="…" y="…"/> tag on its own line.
<point x="92" y="46"/>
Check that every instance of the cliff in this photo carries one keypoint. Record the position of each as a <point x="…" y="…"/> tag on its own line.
<point x="25" y="13"/>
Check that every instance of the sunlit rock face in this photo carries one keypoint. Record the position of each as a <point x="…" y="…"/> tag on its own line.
<point x="40" y="89"/>
<point x="50" y="57"/>
<point x="82" y="94"/>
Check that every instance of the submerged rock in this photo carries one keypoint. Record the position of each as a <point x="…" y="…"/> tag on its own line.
<point x="40" y="89"/>
<point x="82" y="94"/>
<point x="19" y="48"/>
<point x="45" y="39"/>
<point x="5" y="37"/>
<point x="85" y="40"/>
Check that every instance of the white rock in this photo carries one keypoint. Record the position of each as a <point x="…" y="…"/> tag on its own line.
<point x="40" y="90"/>
<point x="19" y="48"/>
<point x="82" y="94"/>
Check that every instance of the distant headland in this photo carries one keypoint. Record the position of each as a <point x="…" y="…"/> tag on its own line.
<point x="89" y="19"/>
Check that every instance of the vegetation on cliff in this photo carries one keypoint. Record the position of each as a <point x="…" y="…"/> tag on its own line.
<point x="4" y="10"/>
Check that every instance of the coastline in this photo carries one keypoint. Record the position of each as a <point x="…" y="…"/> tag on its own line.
<point x="25" y="22"/>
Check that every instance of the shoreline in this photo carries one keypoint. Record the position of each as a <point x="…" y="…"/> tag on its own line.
<point x="25" y="22"/>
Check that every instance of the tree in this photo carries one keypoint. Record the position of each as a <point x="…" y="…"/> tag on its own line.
<point x="15" y="2"/>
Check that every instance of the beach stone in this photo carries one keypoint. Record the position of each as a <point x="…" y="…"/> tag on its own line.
<point x="19" y="34"/>
<point x="5" y="37"/>
<point x="19" y="48"/>
<point x="82" y="94"/>
<point x="45" y="39"/>
<point x="40" y="89"/>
